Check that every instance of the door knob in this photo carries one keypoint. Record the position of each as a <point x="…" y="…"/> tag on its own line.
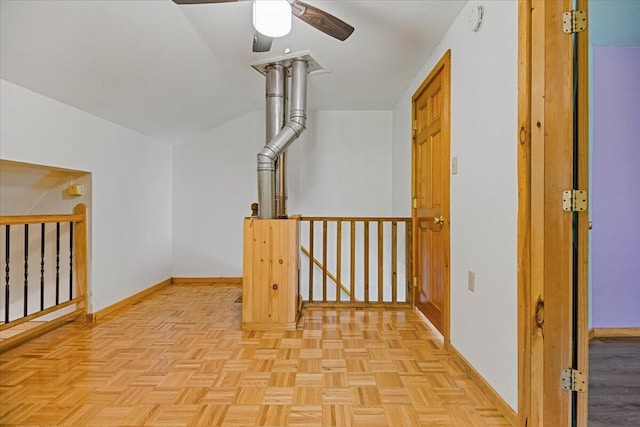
<point x="439" y="220"/>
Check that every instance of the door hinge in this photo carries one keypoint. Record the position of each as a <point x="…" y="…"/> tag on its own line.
<point x="574" y="21"/>
<point x="415" y="281"/>
<point x="574" y="200"/>
<point x="574" y="380"/>
<point x="415" y="125"/>
<point x="414" y="203"/>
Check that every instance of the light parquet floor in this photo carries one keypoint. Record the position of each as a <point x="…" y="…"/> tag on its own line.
<point x="179" y="358"/>
<point x="18" y="329"/>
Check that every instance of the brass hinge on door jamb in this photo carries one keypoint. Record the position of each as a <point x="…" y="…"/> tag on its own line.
<point x="414" y="202"/>
<point x="574" y="21"/>
<point x="415" y="281"/>
<point x="574" y="380"/>
<point x="574" y="200"/>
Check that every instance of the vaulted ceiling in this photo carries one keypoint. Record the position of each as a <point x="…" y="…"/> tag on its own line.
<point x="172" y="72"/>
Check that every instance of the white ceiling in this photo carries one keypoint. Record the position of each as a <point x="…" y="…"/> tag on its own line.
<point x="172" y="72"/>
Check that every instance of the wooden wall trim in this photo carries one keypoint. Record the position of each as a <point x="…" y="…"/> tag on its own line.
<point x="524" y="212"/>
<point x="551" y="227"/>
<point x="614" y="333"/>
<point x="545" y="116"/>
<point x="483" y="385"/>
<point x="127" y="301"/>
<point x="582" y="280"/>
<point x="536" y="207"/>
<point x="236" y="281"/>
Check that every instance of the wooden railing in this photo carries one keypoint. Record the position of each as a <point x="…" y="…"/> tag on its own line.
<point x="58" y="294"/>
<point x="356" y="261"/>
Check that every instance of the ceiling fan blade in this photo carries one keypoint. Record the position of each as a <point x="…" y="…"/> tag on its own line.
<point x="201" y="1"/>
<point x="321" y="20"/>
<point x="261" y="43"/>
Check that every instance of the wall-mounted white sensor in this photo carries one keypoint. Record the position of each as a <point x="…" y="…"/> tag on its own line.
<point x="76" y="190"/>
<point x="475" y="18"/>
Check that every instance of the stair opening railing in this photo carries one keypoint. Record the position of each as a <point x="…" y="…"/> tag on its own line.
<point x="356" y="261"/>
<point x="45" y="273"/>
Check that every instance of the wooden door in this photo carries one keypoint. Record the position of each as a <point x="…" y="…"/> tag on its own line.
<point x="431" y="195"/>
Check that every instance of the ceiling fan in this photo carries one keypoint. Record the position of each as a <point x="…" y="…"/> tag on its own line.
<point x="313" y="16"/>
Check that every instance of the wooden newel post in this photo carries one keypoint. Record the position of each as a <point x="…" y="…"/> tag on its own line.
<point x="80" y="255"/>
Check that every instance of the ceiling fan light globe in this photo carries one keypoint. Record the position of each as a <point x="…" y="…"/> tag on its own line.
<point x="272" y="18"/>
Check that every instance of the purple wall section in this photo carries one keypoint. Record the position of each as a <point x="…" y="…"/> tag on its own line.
<point x="616" y="187"/>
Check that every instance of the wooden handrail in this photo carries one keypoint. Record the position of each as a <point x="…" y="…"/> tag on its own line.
<point x="380" y="261"/>
<point x="40" y="219"/>
<point x="11" y="324"/>
<point x="78" y="271"/>
<point x="383" y="232"/>
<point x="355" y="218"/>
<point x="81" y="257"/>
<point x="317" y="262"/>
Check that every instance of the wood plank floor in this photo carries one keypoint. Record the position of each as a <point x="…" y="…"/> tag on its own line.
<point x="178" y="357"/>
<point x="614" y="382"/>
<point x="17" y="330"/>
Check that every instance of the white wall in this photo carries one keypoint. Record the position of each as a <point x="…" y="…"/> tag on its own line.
<point x="340" y="166"/>
<point x="214" y="183"/>
<point x="28" y="189"/>
<point x="131" y="186"/>
<point x="483" y="193"/>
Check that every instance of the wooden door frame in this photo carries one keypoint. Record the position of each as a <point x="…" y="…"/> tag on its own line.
<point x="444" y="65"/>
<point x="545" y="169"/>
<point x="583" y="219"/>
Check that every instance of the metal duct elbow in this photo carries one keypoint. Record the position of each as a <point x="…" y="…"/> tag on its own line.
<point x="277" y="145"/>
<point x="298" y="117"/>
<point x="267" y="158"/>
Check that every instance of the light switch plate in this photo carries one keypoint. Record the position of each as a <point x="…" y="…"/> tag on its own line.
<point x="472" y="281"/>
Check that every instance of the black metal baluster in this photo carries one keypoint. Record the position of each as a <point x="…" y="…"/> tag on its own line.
<point x="42" y="266"/>
<point x="70" y="261"/>
<point x="6" y="274"/>
<point x="26" y="268"/>
<point x="57" y="263"/>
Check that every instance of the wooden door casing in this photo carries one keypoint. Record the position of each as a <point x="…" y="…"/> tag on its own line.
<point x="430" y="152"/>
<point x="545" y="231"/>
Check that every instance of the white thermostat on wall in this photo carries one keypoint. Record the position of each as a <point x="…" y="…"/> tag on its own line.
<point x="76" y="190"/>
<point x="475" y="18"/>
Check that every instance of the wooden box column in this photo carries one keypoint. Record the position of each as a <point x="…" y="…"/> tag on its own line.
<point x="270" y="274"/>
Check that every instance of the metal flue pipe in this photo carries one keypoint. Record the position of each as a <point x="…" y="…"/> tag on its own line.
<point x="276" y="114"/>
<point x="281" y="186"/>
<point x="276" y="88"/>
<point x="279" y="143"/>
